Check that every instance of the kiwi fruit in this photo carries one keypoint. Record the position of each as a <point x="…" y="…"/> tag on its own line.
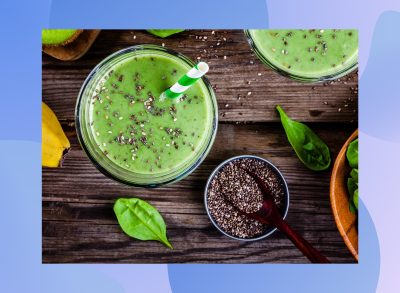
<point x="59" y="37"/>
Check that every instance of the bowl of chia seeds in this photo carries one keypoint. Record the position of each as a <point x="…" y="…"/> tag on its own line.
<point x="229" y="190"/>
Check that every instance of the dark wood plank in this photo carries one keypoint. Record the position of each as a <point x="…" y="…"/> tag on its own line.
<point x="233" y="78"/>
<point x="79" y="224"/>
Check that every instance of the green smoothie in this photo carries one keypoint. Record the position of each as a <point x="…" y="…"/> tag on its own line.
<point x="137" y="131"/>
<point x="308" y="53"/>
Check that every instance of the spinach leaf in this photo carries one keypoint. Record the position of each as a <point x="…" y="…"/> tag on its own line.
<point x="352" y="154"/>
<point x="140" y="220"/>
<point x="352" y="181"/>
<point x="352" y="185"/>
<point x="355" y="198"/>
<point x="354" y="174"/>
<point x="352" y="207"/>
<point x="165" y="33"/>
<point x="310" y="149"/>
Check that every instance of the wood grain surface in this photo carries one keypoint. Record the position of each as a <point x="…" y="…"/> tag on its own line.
<point x="78" y="220"/>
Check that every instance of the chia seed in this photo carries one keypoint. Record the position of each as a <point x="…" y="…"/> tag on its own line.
<point x="232" y="191"/>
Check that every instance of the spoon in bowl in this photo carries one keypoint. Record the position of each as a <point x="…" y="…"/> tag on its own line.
<point x="269" y="214"/>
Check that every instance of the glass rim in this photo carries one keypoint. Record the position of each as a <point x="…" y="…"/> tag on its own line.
<point x="306" y="79"/>
<point x="186" y="169"/>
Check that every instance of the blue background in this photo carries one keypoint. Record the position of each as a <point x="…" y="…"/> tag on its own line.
<point x="20" y="150"/>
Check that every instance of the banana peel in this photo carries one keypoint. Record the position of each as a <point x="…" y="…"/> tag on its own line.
<point x="55" y="144"/>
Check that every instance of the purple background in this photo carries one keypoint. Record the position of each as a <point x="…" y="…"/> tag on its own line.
<point x="21" y="269"/>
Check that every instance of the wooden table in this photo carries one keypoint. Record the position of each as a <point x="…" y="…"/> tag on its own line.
<point x="78" y="220"/>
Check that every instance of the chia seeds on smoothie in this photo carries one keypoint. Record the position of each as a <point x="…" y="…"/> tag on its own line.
<point x="313" y="53"/>
<point x="137" y="131"/>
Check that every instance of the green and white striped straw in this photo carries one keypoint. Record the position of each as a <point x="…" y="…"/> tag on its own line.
<point x="185" y="82"/>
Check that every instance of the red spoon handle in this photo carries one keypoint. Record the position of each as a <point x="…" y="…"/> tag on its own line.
<point x="306" y="248"/>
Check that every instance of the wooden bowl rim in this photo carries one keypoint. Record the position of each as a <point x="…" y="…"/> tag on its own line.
<point x="339" y="225"/>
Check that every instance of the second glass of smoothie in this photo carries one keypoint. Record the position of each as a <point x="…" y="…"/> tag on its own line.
<point x="132" y="136"/>
<point x="307" y="55"/>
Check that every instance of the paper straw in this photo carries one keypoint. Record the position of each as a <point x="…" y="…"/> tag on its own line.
<point x="185" y="82"/>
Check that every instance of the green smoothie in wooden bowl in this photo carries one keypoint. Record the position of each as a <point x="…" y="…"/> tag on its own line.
<point x="307" y="55"/>
<point x="129" y="133"/>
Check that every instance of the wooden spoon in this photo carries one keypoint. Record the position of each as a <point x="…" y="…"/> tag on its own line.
<point x="269" y="214"/>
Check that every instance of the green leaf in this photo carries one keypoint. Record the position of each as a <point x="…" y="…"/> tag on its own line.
<point x="352" y="154"/>
<point x="354" y="174"/>
<point x="352" y="208"/>
<point x="355" y="198"/>
<point x="352" y="185"/>
<point x="352" y="181"/>
<point x="310" y="149"/>
<point x="352" y="188"/>
<point x="165" y="33"/>
<point x="140" y="220"/>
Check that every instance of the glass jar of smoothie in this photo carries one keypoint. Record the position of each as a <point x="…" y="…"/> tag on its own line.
<point x="129" y="133"/>
<point x="307" y="55"/>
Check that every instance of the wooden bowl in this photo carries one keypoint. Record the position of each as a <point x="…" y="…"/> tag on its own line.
<point x="345" y="220"/>
<point x="75" y="49"/>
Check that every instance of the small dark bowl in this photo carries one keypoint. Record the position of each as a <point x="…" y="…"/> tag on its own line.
<point x="285" y="208"/>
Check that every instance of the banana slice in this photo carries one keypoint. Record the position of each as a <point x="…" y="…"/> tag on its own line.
<point x="55" y="144"/>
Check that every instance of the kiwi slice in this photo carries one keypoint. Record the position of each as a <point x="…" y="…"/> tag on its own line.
<point x="59" y="37"/>
<point x="164" y="33"/>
